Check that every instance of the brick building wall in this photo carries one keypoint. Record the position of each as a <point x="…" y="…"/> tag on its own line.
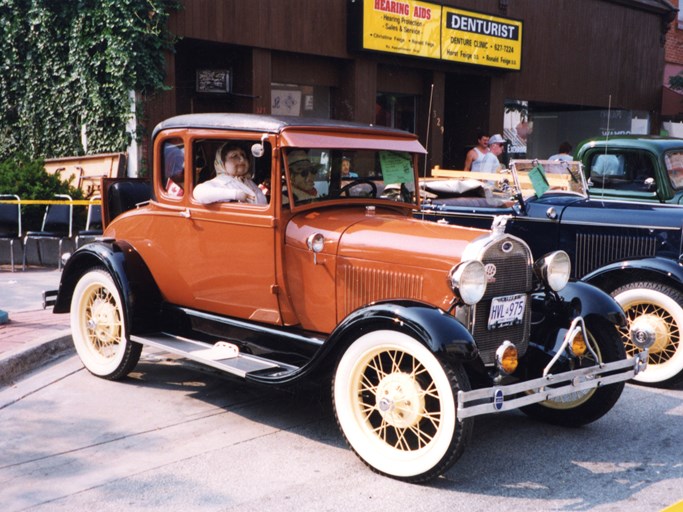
<point x="672" y="101"/>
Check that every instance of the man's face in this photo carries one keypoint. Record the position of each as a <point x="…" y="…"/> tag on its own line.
<point x="345" y="167"/>
<point x="496" y="149"/>
<point x="303" y="176"/>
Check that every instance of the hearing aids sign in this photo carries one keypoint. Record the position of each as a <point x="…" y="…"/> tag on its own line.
<point x="422" y="29"/>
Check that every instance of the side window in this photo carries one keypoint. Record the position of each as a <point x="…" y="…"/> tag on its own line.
<point x="674" y="168"/>
<point x="174" y="167"/>
<point x="228" y="171"/>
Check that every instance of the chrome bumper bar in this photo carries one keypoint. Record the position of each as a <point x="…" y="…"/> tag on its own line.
<point x="514" y="396"/>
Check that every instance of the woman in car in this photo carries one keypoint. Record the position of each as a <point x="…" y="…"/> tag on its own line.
<point x="233" y="180"/>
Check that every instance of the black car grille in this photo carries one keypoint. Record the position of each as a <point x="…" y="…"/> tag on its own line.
<point x="595" y="251"/>
<point x="513" y="275"/>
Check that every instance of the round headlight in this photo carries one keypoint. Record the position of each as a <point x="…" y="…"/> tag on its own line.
<point x="554" y="270"/>
<point x="468" y="281"/>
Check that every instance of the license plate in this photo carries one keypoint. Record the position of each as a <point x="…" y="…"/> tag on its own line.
<point x="508" y="310"/>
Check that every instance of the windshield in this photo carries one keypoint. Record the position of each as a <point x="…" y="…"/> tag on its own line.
<point x="319" y="174"/>
<point x="497" y="189"/>
<point x="538" y="177"/>
<point x="674" y="167"/>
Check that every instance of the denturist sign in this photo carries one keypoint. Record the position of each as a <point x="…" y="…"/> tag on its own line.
<point x="427" y="30"/>
<point x="474" y="38"/>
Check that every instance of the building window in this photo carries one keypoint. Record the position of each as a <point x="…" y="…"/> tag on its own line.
<point x="395" y="111"/>
<point x="300" y="100"/>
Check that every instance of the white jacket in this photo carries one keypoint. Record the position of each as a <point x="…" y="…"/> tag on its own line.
<point x="228" y="188"/>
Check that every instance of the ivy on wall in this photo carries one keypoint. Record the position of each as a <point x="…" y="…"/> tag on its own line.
<point x="69" y="64"/>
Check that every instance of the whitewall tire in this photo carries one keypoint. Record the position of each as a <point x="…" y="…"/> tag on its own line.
<point x="395" y="403"/>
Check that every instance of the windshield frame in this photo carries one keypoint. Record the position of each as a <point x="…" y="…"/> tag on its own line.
<point x="327" y="164"/>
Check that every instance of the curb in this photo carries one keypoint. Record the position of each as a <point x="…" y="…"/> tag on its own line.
<point x="17" y="363"/>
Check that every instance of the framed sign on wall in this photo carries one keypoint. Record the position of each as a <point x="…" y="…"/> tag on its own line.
<point x="214" y="81"/>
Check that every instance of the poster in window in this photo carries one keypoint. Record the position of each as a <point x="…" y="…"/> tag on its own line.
<point x="286" y="103"/>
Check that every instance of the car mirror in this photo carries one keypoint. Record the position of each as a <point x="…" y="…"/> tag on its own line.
<point x="257" y="149"/>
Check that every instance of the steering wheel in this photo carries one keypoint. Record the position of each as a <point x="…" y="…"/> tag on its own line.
<point x="359" y="181"/>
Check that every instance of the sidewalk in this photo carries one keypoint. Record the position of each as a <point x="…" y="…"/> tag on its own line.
<point x="32" y="336"/>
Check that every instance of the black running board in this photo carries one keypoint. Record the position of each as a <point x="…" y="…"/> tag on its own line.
<point x="219" y="356"/>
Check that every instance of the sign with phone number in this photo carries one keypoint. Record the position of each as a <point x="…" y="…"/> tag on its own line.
<point x="422" y="29"/>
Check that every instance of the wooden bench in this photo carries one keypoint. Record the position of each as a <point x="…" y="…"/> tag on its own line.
<point x="86" y="172"/>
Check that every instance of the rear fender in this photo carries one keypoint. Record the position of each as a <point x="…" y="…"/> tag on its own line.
<point x="139" y="292"/>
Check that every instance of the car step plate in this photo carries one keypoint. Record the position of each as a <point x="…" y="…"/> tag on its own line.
<point x="222" y="357"/>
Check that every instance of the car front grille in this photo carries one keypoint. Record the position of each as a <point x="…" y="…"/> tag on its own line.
<point x="513" y="274"/>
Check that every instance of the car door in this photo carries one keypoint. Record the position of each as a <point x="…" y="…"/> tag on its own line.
<point x="217" y="257"/>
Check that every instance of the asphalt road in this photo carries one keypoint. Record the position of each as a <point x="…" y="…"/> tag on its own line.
<point x="172" y="438"/>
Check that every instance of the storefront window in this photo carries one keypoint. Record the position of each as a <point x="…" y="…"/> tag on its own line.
<point x="300" y="100"/>
<point x="395" y="111"/>
<point x="536" y="130"/>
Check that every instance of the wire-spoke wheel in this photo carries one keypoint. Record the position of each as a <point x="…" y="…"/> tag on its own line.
<point x="660" y="305"/>
<point x="586" y="406"/>
<point x="395" y="404"/>
<point x="98" y="327"/>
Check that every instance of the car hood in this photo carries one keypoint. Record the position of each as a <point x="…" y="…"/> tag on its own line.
<point x="383" y="236"/>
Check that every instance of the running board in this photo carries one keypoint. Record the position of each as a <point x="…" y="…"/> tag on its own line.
<point x="222" y="356"/>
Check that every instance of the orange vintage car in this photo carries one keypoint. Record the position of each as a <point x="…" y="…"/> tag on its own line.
<point x="250" y="252"/>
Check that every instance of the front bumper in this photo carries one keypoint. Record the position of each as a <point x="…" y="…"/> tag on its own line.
<point x="514" y="396"/>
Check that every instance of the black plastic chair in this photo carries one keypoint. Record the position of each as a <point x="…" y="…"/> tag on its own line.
<point x="57" y="225"/>
<point x="10" y="223"/>
<point x="93" y="223"/>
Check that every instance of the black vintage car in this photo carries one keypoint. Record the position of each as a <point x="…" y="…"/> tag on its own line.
<point x="630" y="249"/>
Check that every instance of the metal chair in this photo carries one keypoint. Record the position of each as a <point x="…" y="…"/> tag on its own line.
<point x="93" y="222"/>
<point x="57" y="225"/>
<point x="10" y="223"/>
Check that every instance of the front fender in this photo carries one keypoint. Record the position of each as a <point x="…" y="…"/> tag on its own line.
<point x="139" y="292"/>
<point x="664" y="268"/>
<point x="586" y="300"/>
<point x="433" y="327"/>
<point x="553" y="314"/>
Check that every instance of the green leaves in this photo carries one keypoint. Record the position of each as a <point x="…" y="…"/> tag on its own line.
<point x="28" y="179"/>
<point x="74" y="63"/>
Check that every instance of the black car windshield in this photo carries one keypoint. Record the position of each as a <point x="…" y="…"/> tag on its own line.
<point x="317" y="174"/>
<point x="499" y="188"/>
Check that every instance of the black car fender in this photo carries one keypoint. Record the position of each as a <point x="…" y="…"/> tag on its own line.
<point x="554" y="312"/>
<point x="139" y="292"/>
<point x="439" y="331"/>
<point x="663" y="270"/>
